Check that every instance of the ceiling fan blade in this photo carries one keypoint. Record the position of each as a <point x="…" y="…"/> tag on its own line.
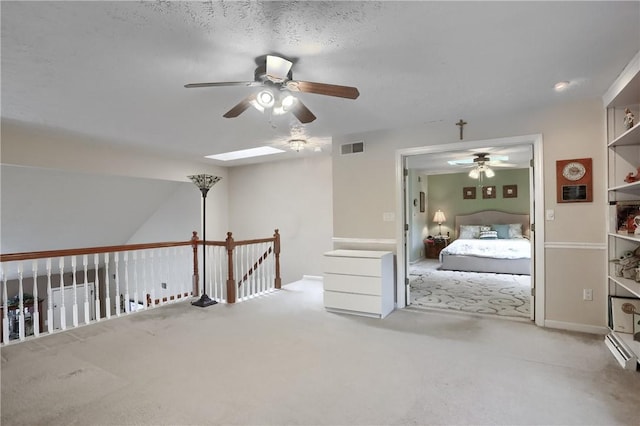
<point x="302" y="113"/>
<point x="323" y="89"/>
<point x="225" y="83"/>
<point x="240" y="107"/>
<point x="501" y="164"/>
<point x="278" y="68"/>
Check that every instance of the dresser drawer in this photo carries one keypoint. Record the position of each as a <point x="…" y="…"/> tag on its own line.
<point x="353" y="284"/>
<point x="352" y="266"/>
<point x="353" y="302"/>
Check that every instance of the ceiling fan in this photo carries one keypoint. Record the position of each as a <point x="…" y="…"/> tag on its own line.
<point x="276" y="78"/>
<point x="480" y="163"/>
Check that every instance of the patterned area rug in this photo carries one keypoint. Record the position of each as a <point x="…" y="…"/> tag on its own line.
<point x="499" y="294"/>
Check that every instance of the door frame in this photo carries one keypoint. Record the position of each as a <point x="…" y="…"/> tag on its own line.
<point x="537" y="199"/>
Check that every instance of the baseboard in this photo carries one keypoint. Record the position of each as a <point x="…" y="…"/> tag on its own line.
<point x="312" y="277"/>
<point x="571" y="326"/>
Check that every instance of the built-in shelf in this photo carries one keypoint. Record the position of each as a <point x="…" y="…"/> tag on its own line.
<point x="633" y="187"/>
<point x="628" y="284"/>
<point x="629" y="237"/>
<point x="623" y="148"/>
<point x="630" y="137"/>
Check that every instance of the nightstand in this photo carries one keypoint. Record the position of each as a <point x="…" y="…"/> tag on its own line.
<point x="432" y="247"/>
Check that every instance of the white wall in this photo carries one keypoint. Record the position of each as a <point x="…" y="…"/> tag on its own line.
<point x="364" y="188"/>
<point x="45" y="209"/>
<point x="79" y="192"/>
<point x="293" y="196"/>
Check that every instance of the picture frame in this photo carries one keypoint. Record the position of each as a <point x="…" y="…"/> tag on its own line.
<point x="422" y="202"/>
<point x="509" y="191"/>
<point x="488" y="192"/>
<point x="469" y="193"/>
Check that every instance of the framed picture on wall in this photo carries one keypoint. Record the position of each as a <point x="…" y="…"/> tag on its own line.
<point x="469" y="193"/>
<point x="488" y="192"/>
<point x="509" y="191"/>
<point x="422" y="202"/>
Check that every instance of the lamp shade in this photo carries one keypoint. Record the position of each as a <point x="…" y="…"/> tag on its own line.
<point x="439" y="217"/>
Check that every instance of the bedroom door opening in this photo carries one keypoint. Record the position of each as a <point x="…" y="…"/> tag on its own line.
<point x="513" y="188"/>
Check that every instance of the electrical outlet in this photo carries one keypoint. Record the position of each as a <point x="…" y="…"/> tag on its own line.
<point x="587" y="294"/>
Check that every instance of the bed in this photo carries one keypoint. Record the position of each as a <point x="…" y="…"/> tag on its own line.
<point x="489" y="241"/>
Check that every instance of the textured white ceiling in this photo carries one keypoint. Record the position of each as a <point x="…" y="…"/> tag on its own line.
<point x="116" y="70"/>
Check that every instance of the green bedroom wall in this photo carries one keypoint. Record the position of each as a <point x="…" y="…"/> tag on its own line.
<point x="445" y="192"/>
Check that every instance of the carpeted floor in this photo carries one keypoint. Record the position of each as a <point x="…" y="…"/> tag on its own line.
<point x="282" y="359"/>
<point x="499" y="294"/>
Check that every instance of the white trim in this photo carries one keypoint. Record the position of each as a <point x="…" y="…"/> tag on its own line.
<point x="312" y="277"/>
<point x="572" y="326"/>
<point x="632" y="68"/>
<point x="571" y="245"/>
<point x="538" y="213"/>
<point x="391" y="241"/>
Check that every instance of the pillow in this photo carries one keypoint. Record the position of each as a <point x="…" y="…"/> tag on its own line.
<point x="515" y="230"/>
<point x="469" y="232"/>
<point x="484" y="228"/>
<point x="501" y="230"/>
<point x="488" y="235"/>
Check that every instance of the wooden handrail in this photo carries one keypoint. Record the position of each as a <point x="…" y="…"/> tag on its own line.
<point x="230" y="244"/>
<point x="255" y="266"/>
<point x="88" y="250"/>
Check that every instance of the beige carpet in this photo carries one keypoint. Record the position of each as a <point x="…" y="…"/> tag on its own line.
<point x="282" y="359"/>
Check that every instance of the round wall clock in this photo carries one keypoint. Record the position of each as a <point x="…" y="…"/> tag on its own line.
<point x="574" y="170"/>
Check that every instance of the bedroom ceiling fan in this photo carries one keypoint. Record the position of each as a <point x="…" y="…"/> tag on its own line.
<point x="276" y="80"/>
<point x="480" y="163"/>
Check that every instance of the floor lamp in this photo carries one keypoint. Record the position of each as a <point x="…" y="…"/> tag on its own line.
<point x="204" y="183"/>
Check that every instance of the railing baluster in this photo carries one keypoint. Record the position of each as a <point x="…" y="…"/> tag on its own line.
<point x="35" y="317"/>
<point x="153" y="282"/>
<point x="49" y="298"/>
<point x="63" y="313"/>
<point x="87" y="316"/>
<point x="5" y="311"/>
<point x="143" y="259"/>
<point x="74" y="309"/>
<point x="116" y="260"/>
<point x="107" y="291"/>
<point x="127" y="305"/>
<point x="20" y="303"/>
<point x="134" y="255"/>
<point x="96" y="283"/>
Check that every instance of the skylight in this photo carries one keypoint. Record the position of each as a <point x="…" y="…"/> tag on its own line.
<point x="245" y="153"/>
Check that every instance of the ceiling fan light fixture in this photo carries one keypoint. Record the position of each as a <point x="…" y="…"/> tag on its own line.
<point x="266" y="99"/>
<point x="474" y="173"/>
<point x="489" y="172"/>
<point x="288" y="101"/>
<point x="297" y="144"/>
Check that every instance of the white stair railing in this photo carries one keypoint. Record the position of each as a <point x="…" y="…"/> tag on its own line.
<point x="71" y="288"/>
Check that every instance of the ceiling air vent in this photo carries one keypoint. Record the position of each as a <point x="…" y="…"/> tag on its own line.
<point x="352" y="148"/>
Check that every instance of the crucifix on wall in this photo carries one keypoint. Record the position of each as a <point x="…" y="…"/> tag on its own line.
<point x="461" y="123"/>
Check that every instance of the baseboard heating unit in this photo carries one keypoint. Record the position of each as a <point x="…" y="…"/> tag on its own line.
<point x="623" y="355"/>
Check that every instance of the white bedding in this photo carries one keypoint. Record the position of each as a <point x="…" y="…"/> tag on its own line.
<point x="516" y="248"/>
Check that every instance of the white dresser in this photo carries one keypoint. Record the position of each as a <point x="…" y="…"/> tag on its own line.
<point x="359" y="282"/>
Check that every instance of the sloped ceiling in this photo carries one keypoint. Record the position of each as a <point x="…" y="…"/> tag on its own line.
<point x="116" y="70"/>
<point x="82" y="210"/>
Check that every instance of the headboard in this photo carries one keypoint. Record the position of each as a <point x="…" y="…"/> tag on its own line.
<point x="489" y="217"/>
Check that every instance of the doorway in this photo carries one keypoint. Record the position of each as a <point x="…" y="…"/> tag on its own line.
<point x="405" y="203"/>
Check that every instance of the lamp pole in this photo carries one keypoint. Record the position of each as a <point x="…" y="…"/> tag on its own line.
<point x="204" y="183"/>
